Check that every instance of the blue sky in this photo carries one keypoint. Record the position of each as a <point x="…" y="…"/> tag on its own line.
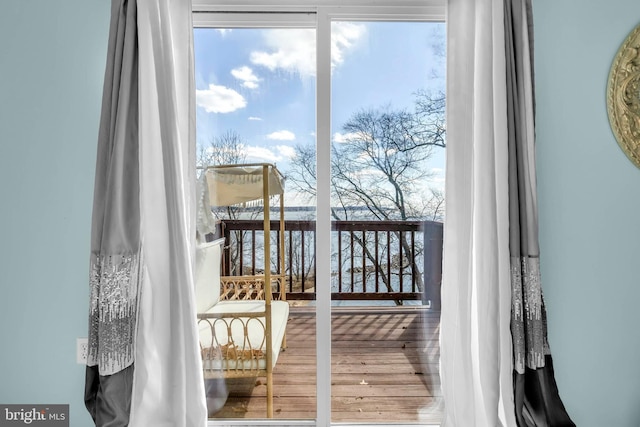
<point x="260" y="83"/>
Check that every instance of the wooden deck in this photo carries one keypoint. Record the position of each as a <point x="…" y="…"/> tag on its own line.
<point x="384" y="369"/>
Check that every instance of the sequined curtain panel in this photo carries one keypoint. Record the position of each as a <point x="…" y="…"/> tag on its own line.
<point x="115" y="233"/>
<point x="113" y="310"/>
<point x="537" y="401"/>
<point x="116" y="261"/>
<point x="529" y="322"/>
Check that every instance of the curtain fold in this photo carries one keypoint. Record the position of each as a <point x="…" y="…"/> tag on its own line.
<point x="476" y="350"/>
<point x="144" y="204"/>
<point x="115" y="232"/>
<point x="496" y="366"/>
<point x="168" y="387"/>
<point x="116" y="246"/>
<point x="537" y="401"/>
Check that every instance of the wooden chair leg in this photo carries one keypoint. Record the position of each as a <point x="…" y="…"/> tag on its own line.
<point x="269" y="395"/>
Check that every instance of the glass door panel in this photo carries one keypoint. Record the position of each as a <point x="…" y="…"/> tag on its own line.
<point x="387" y="208"/>
<point x="255" y="95"/>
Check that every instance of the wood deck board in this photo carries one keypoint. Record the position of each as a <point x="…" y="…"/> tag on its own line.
<point x="384" y="368"/>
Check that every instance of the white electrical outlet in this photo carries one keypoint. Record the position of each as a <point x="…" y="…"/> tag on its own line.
<point x="82" y="349"/>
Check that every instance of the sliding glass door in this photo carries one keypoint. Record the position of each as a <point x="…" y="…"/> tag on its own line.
<point x="347" y="101"/>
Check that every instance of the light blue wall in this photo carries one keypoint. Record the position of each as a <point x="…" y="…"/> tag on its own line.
<point x="51" y="67"/>
<point x="52" y="56"/>
<point x="589" y="201"/>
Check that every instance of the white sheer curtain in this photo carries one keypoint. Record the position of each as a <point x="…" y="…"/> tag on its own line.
<point x="476" y="345"/>
<point x="168" y="388"/>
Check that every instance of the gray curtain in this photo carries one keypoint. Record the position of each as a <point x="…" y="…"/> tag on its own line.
<point x="115" y="233"/>
<point x="536" y="394"/>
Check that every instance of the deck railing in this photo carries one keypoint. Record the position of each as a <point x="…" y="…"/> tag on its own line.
<point x="371" y="260"/>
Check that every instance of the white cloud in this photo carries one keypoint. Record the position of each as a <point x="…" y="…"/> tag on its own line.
<point x="343" y="138"/>
<point x="246" y="76"/>
<point x="294" y="50"/>
<point x="286" y="151"/>
<point x="344" y="36"/>
<point x="224" y="31"/>
<point x="219" y="99"/>
<point x="282" y="135"/>
<point x="272" y="155"/>
<point x="260" y="154"/>
<point x="291" y="50"/>
<point x="258" y="119"/>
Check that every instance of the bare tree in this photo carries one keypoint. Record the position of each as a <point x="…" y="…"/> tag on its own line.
<point x="226" y="149"/>
<point x="380" y="164"/>
<point x="430" y="115"/>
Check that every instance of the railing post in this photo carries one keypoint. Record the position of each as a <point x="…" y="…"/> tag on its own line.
<point x="432" y="263"/>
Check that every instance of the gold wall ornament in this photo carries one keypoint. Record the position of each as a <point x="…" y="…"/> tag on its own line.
<point x="623" y="96"/>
